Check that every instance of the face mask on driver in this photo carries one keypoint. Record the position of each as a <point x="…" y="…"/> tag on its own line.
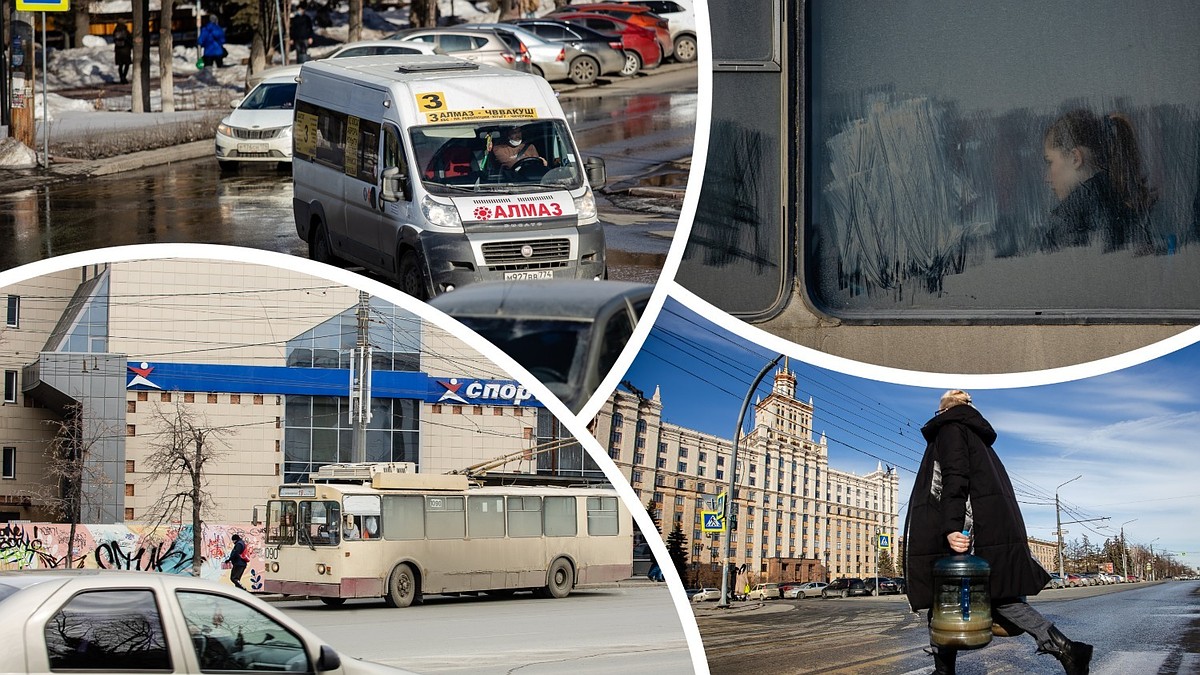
<point x="514" y="142"/>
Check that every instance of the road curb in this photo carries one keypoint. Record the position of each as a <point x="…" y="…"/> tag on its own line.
<point x="58" y="173"/>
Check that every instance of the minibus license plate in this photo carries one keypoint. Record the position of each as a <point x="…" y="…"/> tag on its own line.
<point x="252" y="147"/>
<point x="529" y="275"/>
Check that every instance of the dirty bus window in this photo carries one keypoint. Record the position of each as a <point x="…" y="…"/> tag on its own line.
<point x="1022" y="159"/>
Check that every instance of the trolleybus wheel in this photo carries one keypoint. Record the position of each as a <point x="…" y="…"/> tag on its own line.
<point x="333" y="602"/>
<point x="559" y="579"/>
<point x="402" y="587"/>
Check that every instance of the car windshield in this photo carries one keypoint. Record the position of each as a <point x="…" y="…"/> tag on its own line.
<point x="496" y="156"/>
<point x="548" y="348"/>
<point x="271" y="96"/>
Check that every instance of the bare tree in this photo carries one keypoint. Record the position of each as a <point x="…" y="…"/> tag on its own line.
<point x="74" y="475"/>
<point x="185" y="451"/>
<point x="83" y="22"/>
<point x="141" y="56"/>
<point x="166" y="53"/>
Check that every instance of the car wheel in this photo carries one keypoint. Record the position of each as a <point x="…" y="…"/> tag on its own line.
<point x="685" y="49"/>
<point x="633" y="64"/>
<point x="333" y="602"/>
<point x="410" y="278"/>
<point x="875" y="593"/>
<point x="319" y="247"/>
<point x="402" y="588"/>
<point x="585" y="70"/>
<point x="559" y="580"/>
<point x="845" y="594"/>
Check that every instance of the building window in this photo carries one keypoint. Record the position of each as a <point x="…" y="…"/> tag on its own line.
<point x="639" y="458"/>
<point x="662" y="462"/>
<point x="10" y="463"/>
<point x="720" y="474"/>
<point x="13" y="318"/>
<point x="641" y="426"/>
<point x="680" y="483"/>
<point x="318" y="432"/>
<point x="395" y="334"/>
<point x="636" y="477"/>
<point x="683" y="452"/>
<point x="703" y="456"/>
<point x="682" y="466"/>
<point x="700" y="470"/>
<point x="10" y="386"/>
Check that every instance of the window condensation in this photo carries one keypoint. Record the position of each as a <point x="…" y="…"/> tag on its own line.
<point x="403" y="517"/>
<point x="485" y="517"/>
<point x="524" y="516"/>
<point x="928" y="173"/>
<point x="602" y="516"/>
<point x="560" y="517"/>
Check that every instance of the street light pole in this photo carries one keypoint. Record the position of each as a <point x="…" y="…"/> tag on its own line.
<point x="1152" y="558"/>
<point x="1062" y="574"/>
<point x="729" y="498"/>
<point x="1125" y="550"/>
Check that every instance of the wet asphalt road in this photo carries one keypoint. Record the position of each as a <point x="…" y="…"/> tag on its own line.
<point x="641" y="127"/>
<point x="1146" y="628"/>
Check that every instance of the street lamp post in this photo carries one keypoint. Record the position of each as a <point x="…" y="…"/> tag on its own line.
<point x="1062" y="574"/>
<point x="1125" y="550"/>
<point x="1152" y="558"/>
<point x="729" y="499"/>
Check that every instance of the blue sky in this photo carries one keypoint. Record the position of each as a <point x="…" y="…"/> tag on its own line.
<point x="1132" y="435"/>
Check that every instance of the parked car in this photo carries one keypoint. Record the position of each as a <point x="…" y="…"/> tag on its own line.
<point x="764" y="592"/>
<point x="567" y="333"/>
<point x="637" y="15"/>
<point x="811" y="589"/>
<point x="707" y="594"/>
<point x="260" y="127"/>
<point x="844" y="588"/>
<point x="886" y="586"/>
<point x="1055" y="582"/>
<point x="601" y="53"/>
<point x="360" y="48"/>
<point x="476" y="46"/>
<point x="642" y="49"/>
<point x="551" y="60"/>
<point x="121" y="621"/>
<point x="681" y="23"/>
<point x="901" y="585"/>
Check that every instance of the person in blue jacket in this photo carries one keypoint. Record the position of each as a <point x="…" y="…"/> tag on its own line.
<point x="212" y="42"/>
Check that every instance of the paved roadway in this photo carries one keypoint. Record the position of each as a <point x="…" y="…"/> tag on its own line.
<point x="1137" y="629"/>
<point x="610" y="630"/>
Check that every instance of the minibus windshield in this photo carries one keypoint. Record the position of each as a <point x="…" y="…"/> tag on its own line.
<point x="493" y="156"/>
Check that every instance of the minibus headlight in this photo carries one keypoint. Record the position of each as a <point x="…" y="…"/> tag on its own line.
<point x="585" y="205"/>
<point x="440" y="215"/>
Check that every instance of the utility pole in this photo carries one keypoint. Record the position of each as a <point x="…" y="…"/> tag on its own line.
<point x="1125" y="551"/>
<point x="1062" y="574"/>
<point x="360" y="379"/>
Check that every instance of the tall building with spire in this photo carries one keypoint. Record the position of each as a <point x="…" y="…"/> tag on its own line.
<point x="796" y="518"/>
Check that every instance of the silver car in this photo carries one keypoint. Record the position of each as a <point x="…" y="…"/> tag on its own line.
<point x="360" y="48"/>
<point x="551" y="60"/>
<point x="477" y="46"/>
<point x="120" y="621"/>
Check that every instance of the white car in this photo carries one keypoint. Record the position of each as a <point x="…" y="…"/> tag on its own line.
<point x="764" y="592"/>
<point x="360" y="48"/>
<point x="811" y="589"/>
<point x="707" y="594"/>
<point x="260" y="127"/>
<point x="118" y="621"/>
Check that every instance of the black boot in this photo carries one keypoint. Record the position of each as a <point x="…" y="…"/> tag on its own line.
<point x="1075" y="657"/>
<point x="943" y="660"/>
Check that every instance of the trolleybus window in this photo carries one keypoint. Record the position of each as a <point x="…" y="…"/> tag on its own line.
<point x="281" y="522"/>
<point x="320" y="523"/>
<point x="485" y="517"/>
<point x="524" y="516"/>
<point x="404" y="517"/>
<point x="602" y="516"/>
<point x="361" y="517"/>
<point x="444" y="518"/>
<point x="560" y="517"/>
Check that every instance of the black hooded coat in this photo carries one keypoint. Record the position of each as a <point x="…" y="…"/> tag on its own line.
<point x="960" y="466"/>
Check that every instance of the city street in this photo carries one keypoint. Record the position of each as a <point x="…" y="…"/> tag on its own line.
<point x="604" y="630"/>
<point x="642" y="127"/>
<point x="1145" y="628"/>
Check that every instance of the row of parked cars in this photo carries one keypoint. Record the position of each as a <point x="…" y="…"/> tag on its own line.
<point x="1090" y="579"/>
<point x="839" y="588"/>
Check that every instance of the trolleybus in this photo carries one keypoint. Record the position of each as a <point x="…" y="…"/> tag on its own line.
<point x="383" y="530"/>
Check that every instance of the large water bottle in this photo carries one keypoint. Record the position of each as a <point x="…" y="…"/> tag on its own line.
<point x="962" y="607"/>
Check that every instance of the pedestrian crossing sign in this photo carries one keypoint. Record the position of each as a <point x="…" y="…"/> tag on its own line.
<point x="711" y="521"/>
<point x="43" y="5"/>
<point x="885" y="542"/>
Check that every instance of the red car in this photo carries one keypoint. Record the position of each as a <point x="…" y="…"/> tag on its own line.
<point x="637" y="15"/>
<point x="641" y="46"/>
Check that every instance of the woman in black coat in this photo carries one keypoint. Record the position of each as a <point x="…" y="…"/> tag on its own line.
<point x="962" y="486"/>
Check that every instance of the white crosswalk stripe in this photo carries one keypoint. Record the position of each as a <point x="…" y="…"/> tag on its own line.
<point x="1124" y="663"/>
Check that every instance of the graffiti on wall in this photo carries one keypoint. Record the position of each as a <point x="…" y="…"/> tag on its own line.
<point x="167" y="548"/>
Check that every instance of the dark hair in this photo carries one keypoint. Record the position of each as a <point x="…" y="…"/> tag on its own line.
<point x="1114" y="148"/>
<point x="236" y="537"/>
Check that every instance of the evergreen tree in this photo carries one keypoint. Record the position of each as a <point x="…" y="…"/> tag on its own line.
<point x="677" y="548"/>
<point x="886" y="567"/>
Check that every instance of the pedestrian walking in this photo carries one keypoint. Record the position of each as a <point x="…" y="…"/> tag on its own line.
<point x="236" y="561"/>
<point x="301" y="29"/>
<point x="122" y="51"/>
<point x="212" y="42"/>
<point x="962" y="486"/>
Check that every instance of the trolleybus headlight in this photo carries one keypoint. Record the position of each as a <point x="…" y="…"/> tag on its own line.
<point x="320" y="568"/>
<point x="274" y="567"/>
<point x="585" y="205"/>
<point x="441" y="215"/>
